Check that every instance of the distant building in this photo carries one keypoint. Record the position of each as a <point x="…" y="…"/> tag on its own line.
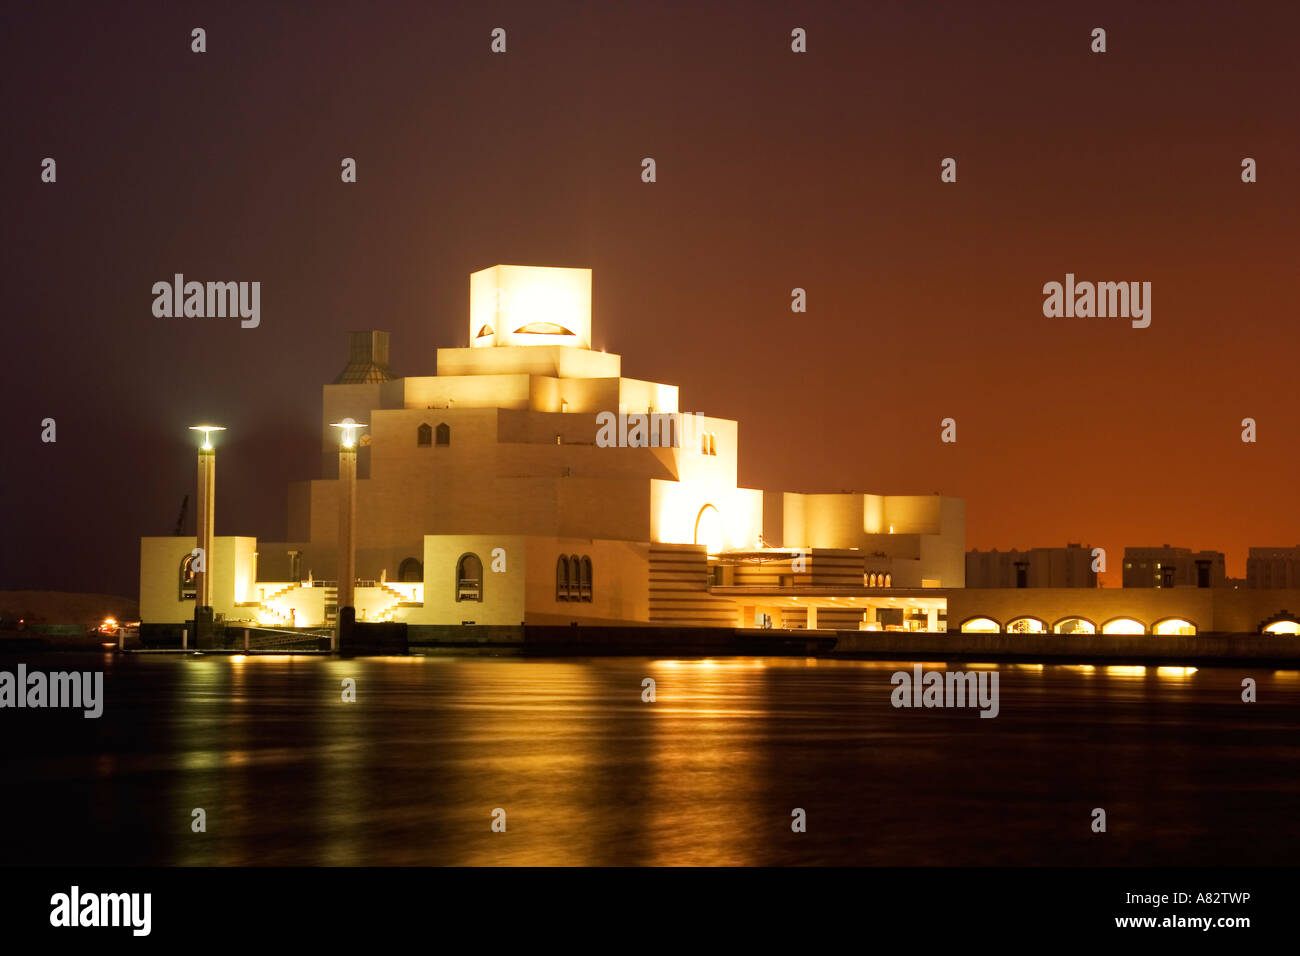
<point x="1068" y="567"/>
<point x="1273" y="568"/>
<point x="1167" y="567"/>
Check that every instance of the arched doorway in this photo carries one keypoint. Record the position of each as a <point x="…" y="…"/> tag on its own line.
<point x="708" y="529"/>
<point x="410" y="571"/>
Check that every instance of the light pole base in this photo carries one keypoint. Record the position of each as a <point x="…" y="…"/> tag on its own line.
<point x="347" y="625"/>
<point x="205" y="628"/>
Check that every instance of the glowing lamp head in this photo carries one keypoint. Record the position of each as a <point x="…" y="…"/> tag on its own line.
<point x="349" y="436"/>
<point x="207" y="433"/>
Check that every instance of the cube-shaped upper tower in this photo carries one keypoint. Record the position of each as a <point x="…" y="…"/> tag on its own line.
<point x="530" y="305"/>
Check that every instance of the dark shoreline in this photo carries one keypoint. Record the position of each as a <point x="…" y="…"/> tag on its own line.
<point x="1210" y="649"/>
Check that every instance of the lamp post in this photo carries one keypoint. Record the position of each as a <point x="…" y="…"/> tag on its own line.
<point x="347" y="612"/>
<point x="203" y="614"/>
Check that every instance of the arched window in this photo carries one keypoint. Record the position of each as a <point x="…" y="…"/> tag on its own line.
<point x="444" y="434"/>
<point x="561" y="578"/>
<point x="584" y="581"/>
<point x="410" y="570"/>
<point x="889" y="580"/>
<point x="1026" y="625"/>
<point x="188" y="585"/>
<point x="871" y="580"/>
<point x="424" y="436"/>
<point x="469" y="578"/>
<point x="980" y="625"/>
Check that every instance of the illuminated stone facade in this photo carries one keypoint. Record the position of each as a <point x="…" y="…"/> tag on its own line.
<point x="484" y="496"/>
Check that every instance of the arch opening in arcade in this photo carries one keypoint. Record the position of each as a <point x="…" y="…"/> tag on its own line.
<point x="1123" y="625"/>
<point x="1173" y="625"/>
<point x="981" y="625"/>
<point x="1291" y="628"/>
<point x="1075" y="625"/>
<point x="1026" y="625"/>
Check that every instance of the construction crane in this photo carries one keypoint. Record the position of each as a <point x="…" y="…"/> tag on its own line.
<point x="180" y="519"/>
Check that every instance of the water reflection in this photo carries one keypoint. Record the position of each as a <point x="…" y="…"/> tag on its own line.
<point x="588" y="772"/>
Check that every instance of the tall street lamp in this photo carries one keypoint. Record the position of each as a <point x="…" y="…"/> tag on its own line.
<point x="203" y="614"/>
<point x="347" y="612"/>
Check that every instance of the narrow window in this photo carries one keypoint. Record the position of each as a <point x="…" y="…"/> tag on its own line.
<point x="584" y="582"/>
<point x="444" y="434"/>
<point x="561" y="578"/>
<point x="188" y="584"/>
<point x="424" y="435"/>
<point x="469" y="578"/>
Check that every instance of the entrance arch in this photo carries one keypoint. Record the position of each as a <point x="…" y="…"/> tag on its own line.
<point x="708" y="529"/>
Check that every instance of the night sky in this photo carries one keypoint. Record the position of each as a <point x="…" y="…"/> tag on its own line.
<point x="775" y="170"/>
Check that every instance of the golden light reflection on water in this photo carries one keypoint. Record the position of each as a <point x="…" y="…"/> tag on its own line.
<point x="587" y="771"/>
<point x="700" y="739"/>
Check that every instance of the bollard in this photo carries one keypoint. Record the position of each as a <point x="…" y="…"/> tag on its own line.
<point x="185" y="638"/>
<point x="245" y="640"/>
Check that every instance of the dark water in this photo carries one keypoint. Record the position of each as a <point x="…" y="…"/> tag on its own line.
<point x="589" y="774"/>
